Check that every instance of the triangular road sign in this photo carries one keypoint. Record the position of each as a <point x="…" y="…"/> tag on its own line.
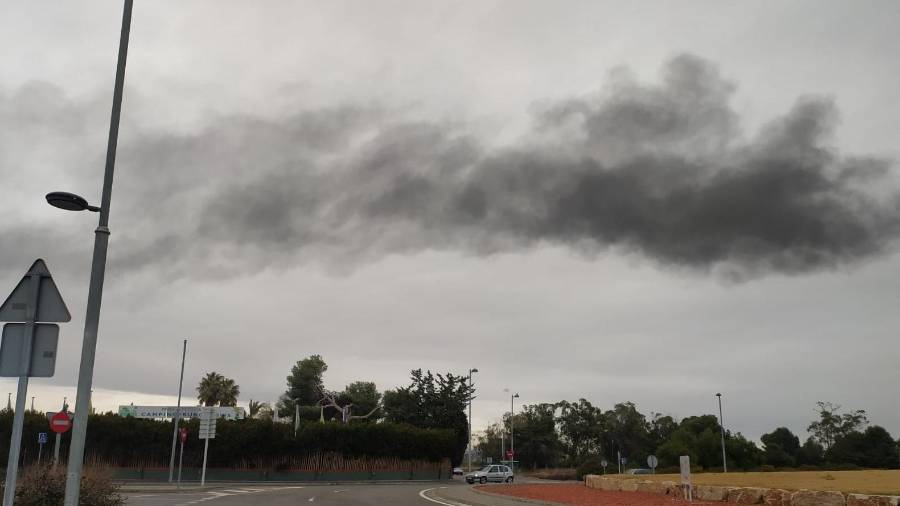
<point x="51" y="307"/>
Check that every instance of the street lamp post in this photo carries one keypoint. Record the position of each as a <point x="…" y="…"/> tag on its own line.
<point x="71" y="202"/>
<point x="469" y="452"/>
<point x="722" y="431"/>
<point x="512" y="435"/>
<point x="177" y="415"/>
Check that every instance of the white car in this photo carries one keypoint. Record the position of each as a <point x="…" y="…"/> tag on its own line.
<point x="496" y="473"/>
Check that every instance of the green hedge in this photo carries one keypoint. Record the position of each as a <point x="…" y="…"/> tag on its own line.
<point x="125" y="441"/>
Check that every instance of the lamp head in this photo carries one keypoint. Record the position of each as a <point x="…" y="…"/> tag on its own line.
<point x="69" y="202"/>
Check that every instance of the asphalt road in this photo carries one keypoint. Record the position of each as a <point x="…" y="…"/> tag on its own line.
<point x="405" y="494"/>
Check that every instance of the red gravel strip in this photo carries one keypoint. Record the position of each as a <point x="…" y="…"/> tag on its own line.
<point x="580" y="495"/>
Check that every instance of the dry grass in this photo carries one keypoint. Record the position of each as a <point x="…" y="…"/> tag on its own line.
<point x="562" y="473"/>
<point x="863" y="482"/>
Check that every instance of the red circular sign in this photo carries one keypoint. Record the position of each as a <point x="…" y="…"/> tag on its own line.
<point x="509" y="454"/>
<point x="184" y="434"/>
<point x="60" y="422"/>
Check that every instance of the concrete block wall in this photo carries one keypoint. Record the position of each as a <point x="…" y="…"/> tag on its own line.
<point x="741" y="495"/>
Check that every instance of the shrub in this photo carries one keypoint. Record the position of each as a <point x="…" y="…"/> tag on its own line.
<point x="42" y="486"/>
<point x="766" y="468"/>
<point x="590" y="465"/>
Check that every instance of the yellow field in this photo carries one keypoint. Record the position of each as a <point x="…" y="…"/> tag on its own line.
<point x="863" y="482"/>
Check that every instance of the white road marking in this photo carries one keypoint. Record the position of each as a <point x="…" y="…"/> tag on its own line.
<point x="424" y="496"/>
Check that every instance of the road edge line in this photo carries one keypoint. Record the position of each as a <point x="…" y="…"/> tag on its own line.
<point x="423" y="496"/>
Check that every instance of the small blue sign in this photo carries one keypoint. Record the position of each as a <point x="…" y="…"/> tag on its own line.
<point x="42" y="437"/>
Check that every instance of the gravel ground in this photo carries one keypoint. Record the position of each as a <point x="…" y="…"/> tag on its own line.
<point x="579" y="495"/>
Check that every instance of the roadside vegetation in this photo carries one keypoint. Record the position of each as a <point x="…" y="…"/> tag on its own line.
<point x="579" y="436"/>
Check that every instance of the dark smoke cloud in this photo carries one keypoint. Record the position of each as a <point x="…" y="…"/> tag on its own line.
<point x="661" y="171"/>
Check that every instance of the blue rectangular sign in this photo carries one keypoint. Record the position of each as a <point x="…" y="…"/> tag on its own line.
<point x="42" y="437"/>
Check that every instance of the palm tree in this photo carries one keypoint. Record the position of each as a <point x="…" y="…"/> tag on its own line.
<point x="217" y="390"/>
<point x="258" y="409"/>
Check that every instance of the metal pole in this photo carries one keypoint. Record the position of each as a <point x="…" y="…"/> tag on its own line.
<point x="56" y="451"/>
<point x="98" y="271"/>
<point x="502" y="444"/>
<point x="32" y="403"/>
<point x="203" y="474"/>
<point x="65" y="409"/>
<point x="180" y="460"/>
<point x="469" y="445"/>
<point x="40" y="453"/>
<point x="15" y="440"/>
<point x="512" y="434"/>
<point x="722" y="430"/>
<point x="177" y="413"/>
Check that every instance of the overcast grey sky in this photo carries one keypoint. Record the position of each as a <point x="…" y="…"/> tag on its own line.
<point x="649" y="201"/>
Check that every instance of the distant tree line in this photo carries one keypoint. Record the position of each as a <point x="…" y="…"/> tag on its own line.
<point x="572" y="434"/>
<point x="430" y="401"/>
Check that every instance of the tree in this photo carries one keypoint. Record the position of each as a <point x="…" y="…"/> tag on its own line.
<point x="361" y="394"/>
<point x="304" y="386"/>
<point x="661" y="429"/>
<point x="811" y="453"/>
<point x="537" y="443"/>
<point x="698" y="437"/>
<point x="832" y="425"/>
<point x="580" y="430"/>
<point x="432" y="402"/>
<point x="781" y="447"/>
<point x="364" y="397"/>
<point x="259" y="410"/>
<point x="489" y="442"/>
<point x="217" y="390"/>
<point x="873" y="448"/>
<point x="628" y="432"/>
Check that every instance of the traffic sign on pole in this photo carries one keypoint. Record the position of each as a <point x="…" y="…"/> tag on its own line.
<point x="50" y="305"/>
<point x="42" y="363"/>
<point x="42" y="437"/>
<point x="207" y="432"/>
<point x="61" y="422"/>
<point x="28" y="348"/>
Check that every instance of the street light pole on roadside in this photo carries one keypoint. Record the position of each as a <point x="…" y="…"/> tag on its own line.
<point x="177" y="414"/>
<point x="722" y="431"/>
<point x="469" y="446"/>
<point x="512" y="434"/>
<point x="71" y="202"/>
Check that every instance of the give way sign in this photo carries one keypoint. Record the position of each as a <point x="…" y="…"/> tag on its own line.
<point x="60" y="422"/>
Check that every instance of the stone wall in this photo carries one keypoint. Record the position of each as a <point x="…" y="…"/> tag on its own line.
<point x="741" y="495"/>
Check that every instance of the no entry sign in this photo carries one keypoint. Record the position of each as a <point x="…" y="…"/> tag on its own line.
<point x="60" y="422"/>
<point x="184" y="435"/>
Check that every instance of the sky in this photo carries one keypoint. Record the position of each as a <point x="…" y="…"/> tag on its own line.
<point x="648" y="202"/>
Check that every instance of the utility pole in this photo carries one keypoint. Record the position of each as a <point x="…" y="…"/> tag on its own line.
<point x="469" y="452"/>
<point x="722" y="430"/>
<point x="98" y="272"/>
<point x="177" y="413"/>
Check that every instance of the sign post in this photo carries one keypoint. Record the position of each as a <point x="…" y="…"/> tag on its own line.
<point x="652" y="461"/>
<point x="183" y="434"/>
<point x="28" y="348"/>
<point x="207" y="432"/>
<point x="42" y="440"/>
<point x="687" y="489"/>
<point x="60" y="423"/>
<point x="603" y="464"/>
